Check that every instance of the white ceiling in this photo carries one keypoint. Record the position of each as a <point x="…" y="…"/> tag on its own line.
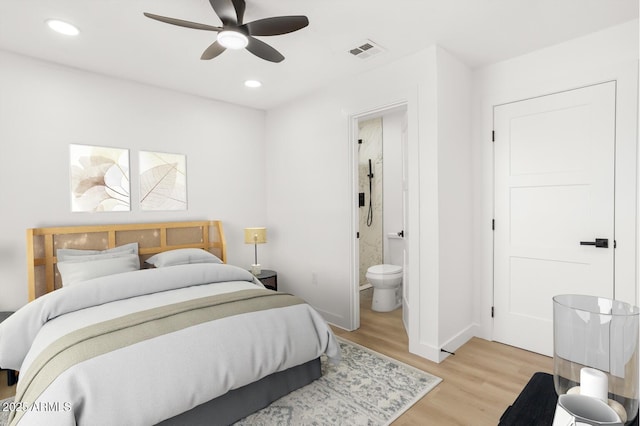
<point x="117" y="40"/>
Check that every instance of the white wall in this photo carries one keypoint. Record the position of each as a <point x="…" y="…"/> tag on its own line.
<point x="310" y="156"/>
<point x="611" y="54"/>
<point x="309" y="147"/>
<point x="455" y="321"/>
<point x="45" y="107"/>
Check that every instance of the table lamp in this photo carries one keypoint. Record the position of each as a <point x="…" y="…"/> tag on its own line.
<point x="255" y="236"/>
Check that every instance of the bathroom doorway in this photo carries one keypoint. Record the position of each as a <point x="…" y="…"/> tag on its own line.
<point x="381" y="147"/>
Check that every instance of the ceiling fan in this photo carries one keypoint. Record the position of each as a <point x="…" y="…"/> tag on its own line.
<point x="234" y="34"/>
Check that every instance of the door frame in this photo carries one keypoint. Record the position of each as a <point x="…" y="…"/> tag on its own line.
<point x="355" y="213"/>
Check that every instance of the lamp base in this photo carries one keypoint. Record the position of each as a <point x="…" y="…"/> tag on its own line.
<point x="256" y="269"/>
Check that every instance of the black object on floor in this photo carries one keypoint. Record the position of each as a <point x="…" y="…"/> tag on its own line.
<point x="536" y="404"/>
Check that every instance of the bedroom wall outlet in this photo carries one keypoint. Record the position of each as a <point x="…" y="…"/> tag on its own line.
<point x="314" y="278"/>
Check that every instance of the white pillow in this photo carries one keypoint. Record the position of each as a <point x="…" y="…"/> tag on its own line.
<point x="182" y="257"/>
<point x="82" y="268"/>
<point x="70" y="254"/>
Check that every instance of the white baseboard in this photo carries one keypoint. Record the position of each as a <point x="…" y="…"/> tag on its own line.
<point x="334" y="319"/>
<point x="425" y="351"/>
<point x="461" y="338"/>
<point x="435" y="354"/>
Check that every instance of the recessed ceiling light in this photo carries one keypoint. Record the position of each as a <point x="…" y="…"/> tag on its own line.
<point x="232" y="39"/>
<point x="252" y="83"/>
<point x="62" y="27"/>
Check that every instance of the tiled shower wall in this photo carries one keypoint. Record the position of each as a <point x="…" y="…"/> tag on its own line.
<point x="370" y="132"/>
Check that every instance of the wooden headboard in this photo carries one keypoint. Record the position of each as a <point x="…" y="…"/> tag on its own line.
<point x="152" y="238"/>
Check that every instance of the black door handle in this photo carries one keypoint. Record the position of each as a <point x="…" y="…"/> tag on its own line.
<point x="599" y="242"/>
<point x="401" y="234"/>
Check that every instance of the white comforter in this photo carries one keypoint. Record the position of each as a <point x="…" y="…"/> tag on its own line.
<point x="158" y="378"/>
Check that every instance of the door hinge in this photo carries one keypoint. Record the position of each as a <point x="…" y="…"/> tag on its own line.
<point x="492" y="312"/>
<point x="357" y="235"/>
<point x="615" y="244"/>
<point x="493" y="136"/>
<point x="493" y="224"/>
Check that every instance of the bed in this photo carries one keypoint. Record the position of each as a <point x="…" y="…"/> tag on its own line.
<point x="187" y="340"/>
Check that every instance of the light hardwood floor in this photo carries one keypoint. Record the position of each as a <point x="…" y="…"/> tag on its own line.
<point x="479" y="382"/>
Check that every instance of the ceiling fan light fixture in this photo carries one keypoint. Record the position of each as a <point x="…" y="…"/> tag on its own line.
<point x="62" y="27"/>
<point x="232" y="39"/>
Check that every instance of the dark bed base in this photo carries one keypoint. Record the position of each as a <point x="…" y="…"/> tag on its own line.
<point x="12" y="378"/>
<point x="239" y="403"/>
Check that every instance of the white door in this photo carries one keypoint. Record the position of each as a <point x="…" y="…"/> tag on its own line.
<point x="404" y="140"/>
<point x="554" y="188"/>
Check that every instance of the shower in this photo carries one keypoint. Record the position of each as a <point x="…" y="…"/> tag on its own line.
<point x="370" y="181"/>
<point x="370" y="212"/>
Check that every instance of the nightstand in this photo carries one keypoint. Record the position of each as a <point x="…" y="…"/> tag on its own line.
<point x="11" y="375"/>
<point x="269" y="279"/>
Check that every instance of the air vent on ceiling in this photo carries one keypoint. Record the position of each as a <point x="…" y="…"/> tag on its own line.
<point x="366" y="50"/>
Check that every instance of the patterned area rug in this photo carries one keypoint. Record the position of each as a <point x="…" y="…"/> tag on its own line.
<point x="366" y="388"/>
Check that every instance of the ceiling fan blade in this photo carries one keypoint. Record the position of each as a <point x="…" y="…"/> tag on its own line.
<point x="212" y="51"/>
<point x="276" y="26"/>
<point x="263" y="50"/>
<point x="229" y="11"/>
<point x="240" y="6"/>
<point x="181" y="23"/>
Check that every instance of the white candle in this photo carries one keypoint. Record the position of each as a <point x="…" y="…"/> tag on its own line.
<point x="594" y="383"/>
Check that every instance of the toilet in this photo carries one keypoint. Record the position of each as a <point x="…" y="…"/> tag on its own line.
<point x="386" y="281"/>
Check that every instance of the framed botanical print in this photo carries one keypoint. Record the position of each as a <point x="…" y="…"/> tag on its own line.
<point x="99" y="179"/>
<point x="163" y="181"/>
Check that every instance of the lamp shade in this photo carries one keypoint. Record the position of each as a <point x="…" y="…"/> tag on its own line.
<point x="255" y="235"/>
